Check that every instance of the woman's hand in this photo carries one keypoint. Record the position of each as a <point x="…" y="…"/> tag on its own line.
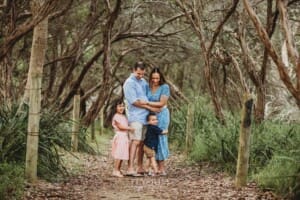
<point x="153" y="109"/>
<point x="143" y="102"/>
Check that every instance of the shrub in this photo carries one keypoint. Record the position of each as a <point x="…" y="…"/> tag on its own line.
<point x="214" y="142"/>
<point x="12" y="181"/>
<point x="54" y="136"/>
<point x="282" y="174"/>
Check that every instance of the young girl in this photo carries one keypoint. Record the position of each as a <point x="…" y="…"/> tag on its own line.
<point x="120" y="142"/>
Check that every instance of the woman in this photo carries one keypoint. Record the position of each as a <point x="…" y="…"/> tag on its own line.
<point x="158" y="94"/>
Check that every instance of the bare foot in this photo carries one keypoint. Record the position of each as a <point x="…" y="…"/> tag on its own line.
<point x="117" y="174"/>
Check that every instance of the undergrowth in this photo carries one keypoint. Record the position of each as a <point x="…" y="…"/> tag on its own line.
<point x="274" y="151"/>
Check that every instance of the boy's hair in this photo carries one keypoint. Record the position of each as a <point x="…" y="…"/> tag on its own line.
<point x="149" y="115"/>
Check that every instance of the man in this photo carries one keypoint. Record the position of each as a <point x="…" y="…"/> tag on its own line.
<point x="135" y="95"/>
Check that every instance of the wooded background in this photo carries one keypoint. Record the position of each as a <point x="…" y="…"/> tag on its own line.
<point x="218" y="48"/>
<point x="213" y="53"/>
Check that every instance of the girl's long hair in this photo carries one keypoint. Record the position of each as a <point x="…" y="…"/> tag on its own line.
<point x="113" y="108"/>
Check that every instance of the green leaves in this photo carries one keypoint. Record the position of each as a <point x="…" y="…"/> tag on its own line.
<point x="274" y="152"/>
<point x="54" y="138"/>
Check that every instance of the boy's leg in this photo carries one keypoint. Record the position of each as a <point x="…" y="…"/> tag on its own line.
<point x="154" y="164"/>
<point x="148" y="165"/>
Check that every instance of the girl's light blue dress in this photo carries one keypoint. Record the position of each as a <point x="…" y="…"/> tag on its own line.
<point x="163" y="120"/>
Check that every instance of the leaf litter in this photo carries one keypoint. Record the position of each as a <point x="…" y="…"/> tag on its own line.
<point x="93" y="181"/>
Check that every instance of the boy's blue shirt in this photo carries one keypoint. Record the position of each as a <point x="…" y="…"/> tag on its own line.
<point x="152" y="135"/>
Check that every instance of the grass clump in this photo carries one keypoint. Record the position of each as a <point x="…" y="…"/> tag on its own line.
<point x="282" y="174"/>
<point x="54" y="138"/>
<point x="274" y="151"/>
<point x="12" y="181"/>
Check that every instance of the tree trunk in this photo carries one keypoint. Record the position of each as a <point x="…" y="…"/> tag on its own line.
<point x="189" y="127"/>
<point x="101" y="121"/>
<point x="76" y="122"/>
<point x="197" y="25"/>
<point x="39" y="45"/>
<point x="6" y="81"/>
<point x="106" y="77"/>
<point x="244" y="142"/>
<point x="263" y="35"/>
<point x="180" y="77"/>
<point x="93" y="131"/>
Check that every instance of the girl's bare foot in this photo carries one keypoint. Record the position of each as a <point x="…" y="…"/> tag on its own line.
<point x="117" y="174"/>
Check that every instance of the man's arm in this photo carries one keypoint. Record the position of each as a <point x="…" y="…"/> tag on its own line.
<point x="144" y="104"/>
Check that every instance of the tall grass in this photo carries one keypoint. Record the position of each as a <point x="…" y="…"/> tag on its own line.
<point x="272" y="144"/>
<point x="12" y="181"/>
<point x="54" y="136"/>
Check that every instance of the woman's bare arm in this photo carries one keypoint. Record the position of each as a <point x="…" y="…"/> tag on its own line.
<point x="159" y="104"/>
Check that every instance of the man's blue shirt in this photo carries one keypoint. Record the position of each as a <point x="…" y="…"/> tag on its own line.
<point x="135" y="89"/>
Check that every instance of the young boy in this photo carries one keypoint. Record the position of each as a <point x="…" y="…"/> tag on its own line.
<point x="151" y="140"/>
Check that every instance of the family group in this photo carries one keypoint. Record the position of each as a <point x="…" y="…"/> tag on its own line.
<point x="143" y="129"/>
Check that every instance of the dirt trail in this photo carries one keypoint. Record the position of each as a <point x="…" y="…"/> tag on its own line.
<point x="183" y="182"/>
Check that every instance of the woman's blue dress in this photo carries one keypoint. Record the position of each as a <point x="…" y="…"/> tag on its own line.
<point x="163" y="120"/>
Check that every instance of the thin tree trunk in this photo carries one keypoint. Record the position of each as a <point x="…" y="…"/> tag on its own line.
<point x="189" y="128"/>
<point x="39" y="45"/>
<point x="244" y="142"/>
<point x="101" y="121"/>
<point x="93" y="131"/>
<point x="106" y="79"/>
<point x="76" y="122"/>
<point x="197" y="25"/>
<point x="259" y="112"/>
<point x="263" y="35"/>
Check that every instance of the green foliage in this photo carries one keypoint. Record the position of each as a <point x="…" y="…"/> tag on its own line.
<point x="270" y="137"/>
<point x="272" y="144"/>
<point x="12" y="181"/>
<point x="12" y="134"/>
<point x="282" y="174"/>
<point x="212" y="141"/>
<point x="276" y="157"/>
<point x="54" y="136"/>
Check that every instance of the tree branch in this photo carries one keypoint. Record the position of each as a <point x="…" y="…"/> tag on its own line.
<point x="221" y="24"/>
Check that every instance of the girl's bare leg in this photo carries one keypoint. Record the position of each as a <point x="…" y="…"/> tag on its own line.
<point x="120" y="164"/>
<point x="116" y="171"/>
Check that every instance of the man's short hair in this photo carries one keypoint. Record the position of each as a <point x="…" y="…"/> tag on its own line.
<point x="139" y="65"/>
